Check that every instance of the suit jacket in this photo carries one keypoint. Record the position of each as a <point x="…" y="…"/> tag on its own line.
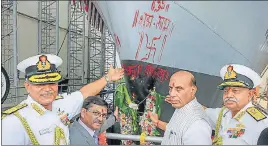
<point x="80" y="136"/>
<point x="263" y="138"/>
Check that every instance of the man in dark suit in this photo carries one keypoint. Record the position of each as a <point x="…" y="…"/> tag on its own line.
<point x="263" y="138"/>
<point x="91" y="122"/>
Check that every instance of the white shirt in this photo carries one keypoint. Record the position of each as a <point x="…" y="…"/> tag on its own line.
<point x="199" y="133"/>
<point x="43" y="126"/>
<point x="229" y="125"/>
<point x="90" y="131"/>
<point x="188" y="126"/>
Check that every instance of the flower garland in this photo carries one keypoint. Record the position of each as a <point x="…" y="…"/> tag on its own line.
<point x="152" y="105"/>
<point x="127" y="116"/>
<point x="126" y="128"/>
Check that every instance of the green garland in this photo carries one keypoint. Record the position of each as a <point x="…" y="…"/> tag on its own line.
<point x="122" y="100"/>
<point x="152" y="104"/>
<point x="158" y="100"/>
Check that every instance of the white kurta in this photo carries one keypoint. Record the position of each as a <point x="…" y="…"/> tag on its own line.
<point x="188" y="126"/>
<point x="230" y="125"/>
<point x="43" y="126"/>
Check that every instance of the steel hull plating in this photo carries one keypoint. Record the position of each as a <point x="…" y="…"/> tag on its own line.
<point x="156" y="39"/>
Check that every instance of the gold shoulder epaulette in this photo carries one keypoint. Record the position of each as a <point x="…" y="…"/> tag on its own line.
<point x="13" y="109"/>
<point x="256" y="113"/>
<point x="59" y="97"/>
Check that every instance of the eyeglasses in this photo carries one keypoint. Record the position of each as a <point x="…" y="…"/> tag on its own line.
<point x="98" y="114"/>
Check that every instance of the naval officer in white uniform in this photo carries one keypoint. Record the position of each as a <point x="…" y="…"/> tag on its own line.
<point x="43" y="118"/>
<point x="239" y="122"/>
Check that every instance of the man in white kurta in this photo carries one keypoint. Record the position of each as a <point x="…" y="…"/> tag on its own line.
<point x="189" y="124"/>
<point x="43" y="118"/>
<point x="239" y="122"/>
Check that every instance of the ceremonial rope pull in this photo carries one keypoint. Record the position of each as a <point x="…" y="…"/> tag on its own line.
<point x="218" y="139"/>
<point x="142" y="138"/>
<point x="58" y="136"/>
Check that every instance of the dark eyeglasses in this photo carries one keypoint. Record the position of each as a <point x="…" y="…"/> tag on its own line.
<point x="97" y="114"/>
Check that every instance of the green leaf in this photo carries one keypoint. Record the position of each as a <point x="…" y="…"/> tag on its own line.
<point x="156" y="133"/>
<point x="127" y="97"/>
<point x="159" y="100"/>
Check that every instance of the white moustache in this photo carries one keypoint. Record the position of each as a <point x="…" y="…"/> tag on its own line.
<point x="47" y="94"/>
<point x="231" y="99"/>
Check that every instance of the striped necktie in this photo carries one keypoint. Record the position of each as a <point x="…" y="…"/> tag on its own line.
<point x="96" y="139"/>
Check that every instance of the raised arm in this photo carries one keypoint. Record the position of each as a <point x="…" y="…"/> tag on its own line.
<point x="95" y="87"/>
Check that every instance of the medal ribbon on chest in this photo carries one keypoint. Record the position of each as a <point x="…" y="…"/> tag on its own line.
<point x="64" y="117"/>
<point x="235" y="132"/>
<point x="239" y="130"/>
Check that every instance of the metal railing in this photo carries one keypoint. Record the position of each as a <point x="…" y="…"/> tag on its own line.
<point x="133" y="137"/>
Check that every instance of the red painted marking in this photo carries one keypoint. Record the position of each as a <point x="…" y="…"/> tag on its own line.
<point x="161" y="74"/>
<point x="132" y="70"/>
<point x="86" y="5"/>
<point x="139" y="47"/>
<point x="150" y="47"/>
<point x="140" y="20"/>
<point x="145" y="21"/>
<point x="157" y="5"/>
<point x="148" y="19"/>
<point x="117" y="41"/>
<point x="163" y="23"/>
<point x="135" y="70"/>
<point x="157" y="73"/>
<point x="162" y="48"/>
<point x="135" y="18"/>
<point x="149" y="70"/>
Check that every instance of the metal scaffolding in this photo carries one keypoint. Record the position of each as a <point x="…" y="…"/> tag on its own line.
<point x="48" y="28"/>
<point x="109" y="59"/>
<point x="95" y="54"/>
<point x="9" y="45"/>
<point x="101" y="51"/>
<point x="110" y="51"/>
<point x="76" y="46"/>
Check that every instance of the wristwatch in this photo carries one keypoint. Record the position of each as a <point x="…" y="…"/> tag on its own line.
<point x="107" y="79"/>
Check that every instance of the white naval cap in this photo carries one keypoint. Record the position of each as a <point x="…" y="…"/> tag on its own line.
<point x="236" y="75"/>
<point x="41" y="69"/>
<point x="53" y="59"/>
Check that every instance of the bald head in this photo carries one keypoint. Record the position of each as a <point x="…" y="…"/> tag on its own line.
<point x="182" y="88"/>
<point x="185" y="75"/>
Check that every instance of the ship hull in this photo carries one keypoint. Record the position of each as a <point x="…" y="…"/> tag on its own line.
<point x="154" y="40"/>
<point x="196" y="36"/>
